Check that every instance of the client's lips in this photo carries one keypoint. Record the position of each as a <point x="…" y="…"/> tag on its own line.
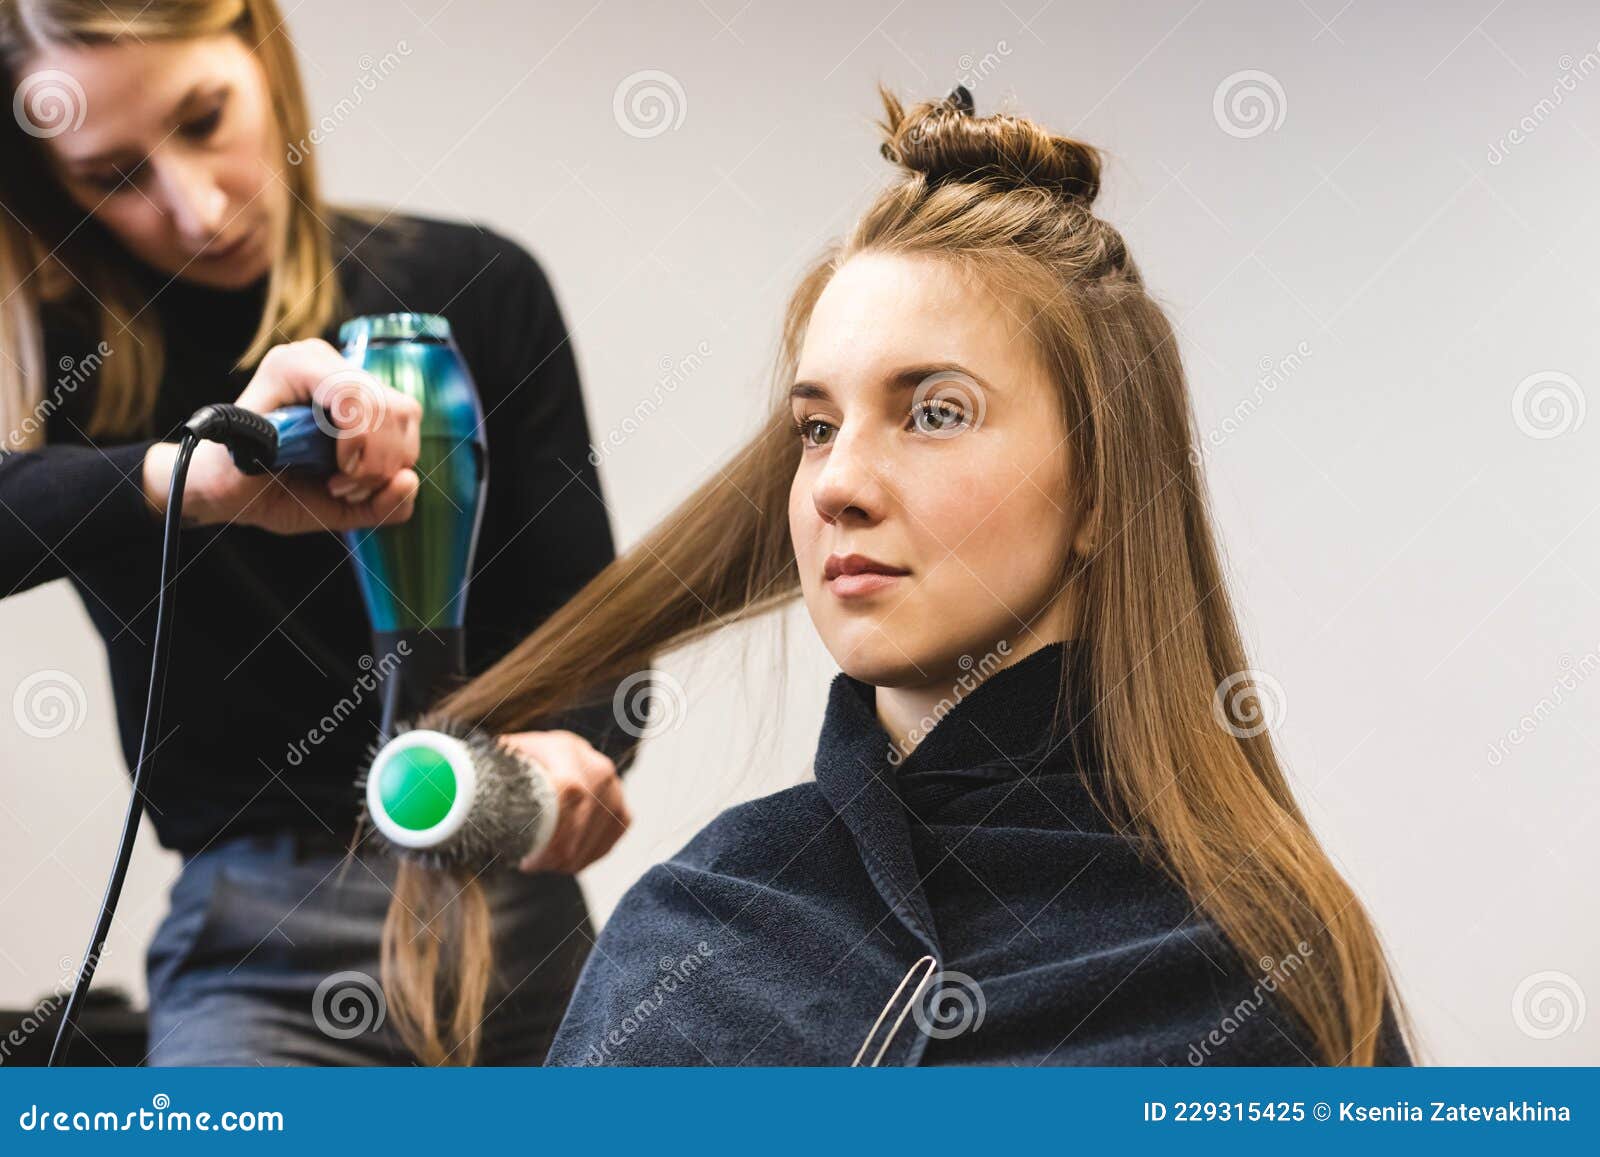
<point x="856" y="574"/>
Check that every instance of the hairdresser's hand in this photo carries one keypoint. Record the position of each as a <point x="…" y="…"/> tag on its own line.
<point x="377" y="446"/>
<point x="593" y="815"/>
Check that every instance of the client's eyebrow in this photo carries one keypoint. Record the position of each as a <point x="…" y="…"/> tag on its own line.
<point x="903" y="379"/>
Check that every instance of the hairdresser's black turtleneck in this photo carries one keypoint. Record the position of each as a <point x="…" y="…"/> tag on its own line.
<point x="265" y="718"/>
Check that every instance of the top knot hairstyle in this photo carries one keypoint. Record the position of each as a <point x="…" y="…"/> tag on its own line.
<point x="1006" y="204"/>
<point x="944" y="140"/>
<point x="999" y="194"/>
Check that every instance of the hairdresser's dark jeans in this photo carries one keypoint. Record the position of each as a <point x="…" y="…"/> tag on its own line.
<point x="269" y="955"/>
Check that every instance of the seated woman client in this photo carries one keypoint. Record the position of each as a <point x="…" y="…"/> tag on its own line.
<point x="1042" y="830"/>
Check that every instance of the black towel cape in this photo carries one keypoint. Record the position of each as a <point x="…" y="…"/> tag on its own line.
<point x="779" y="934"/>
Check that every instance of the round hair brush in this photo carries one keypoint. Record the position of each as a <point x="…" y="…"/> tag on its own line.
<point x="452" y="795"/>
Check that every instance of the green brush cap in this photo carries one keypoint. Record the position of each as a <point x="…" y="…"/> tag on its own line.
<point x="417" y="787"/>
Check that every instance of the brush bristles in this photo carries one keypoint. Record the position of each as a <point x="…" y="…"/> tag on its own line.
<point x="509" y="815"/>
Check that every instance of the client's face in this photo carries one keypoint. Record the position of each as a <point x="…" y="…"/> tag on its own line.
<point x="929" y="513"/>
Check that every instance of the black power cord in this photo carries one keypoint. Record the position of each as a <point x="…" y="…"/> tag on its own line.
<point x="251" y="439"/>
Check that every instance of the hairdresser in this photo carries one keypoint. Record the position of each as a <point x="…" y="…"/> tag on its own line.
<point x="164" y="246"/>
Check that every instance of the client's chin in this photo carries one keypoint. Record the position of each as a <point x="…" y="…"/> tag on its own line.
<point x="885" y="660"/>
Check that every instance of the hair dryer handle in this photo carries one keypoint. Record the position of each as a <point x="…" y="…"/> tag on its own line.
<point x="306" y="444"/>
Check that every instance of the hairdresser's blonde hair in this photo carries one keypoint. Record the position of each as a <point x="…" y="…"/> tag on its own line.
<point x="1010" y="202"/>
<point x="50" y="253"/>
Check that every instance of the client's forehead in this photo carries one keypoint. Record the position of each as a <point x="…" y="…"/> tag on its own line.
<point x="883" y="314"/>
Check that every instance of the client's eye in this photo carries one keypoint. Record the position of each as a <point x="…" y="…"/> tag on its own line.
<point x="938" y="416"/>
<point x="806" y="427"/>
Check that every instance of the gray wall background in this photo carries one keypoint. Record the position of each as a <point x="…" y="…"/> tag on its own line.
<point x="1381" y="260"/>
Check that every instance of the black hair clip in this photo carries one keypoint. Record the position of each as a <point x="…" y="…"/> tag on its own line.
<point x="960" y="99"/>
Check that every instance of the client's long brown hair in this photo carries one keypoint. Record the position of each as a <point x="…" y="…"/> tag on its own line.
<point x="1004" y="198"/>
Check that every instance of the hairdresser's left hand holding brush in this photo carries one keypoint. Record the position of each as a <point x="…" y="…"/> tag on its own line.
<point x="593" y="814"/>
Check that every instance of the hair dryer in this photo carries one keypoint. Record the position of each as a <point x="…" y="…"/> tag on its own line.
<point x="443" y="793"/>
<point x="413" y="576"/>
